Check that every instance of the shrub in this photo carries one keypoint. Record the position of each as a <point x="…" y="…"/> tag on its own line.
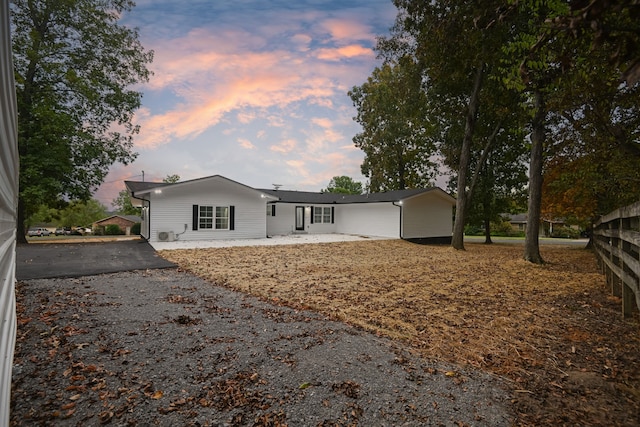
<point x="503" y="229"/>
<point x="112" y="230"/>
<point x="135" y="229"/>
<point x="473" y="230"/>
<point x="566" y="233"/>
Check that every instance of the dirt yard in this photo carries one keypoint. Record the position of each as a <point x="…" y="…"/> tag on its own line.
<point x="553" y="330"/>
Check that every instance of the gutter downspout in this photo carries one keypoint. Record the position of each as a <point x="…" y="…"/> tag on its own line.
<point x="148" y="215"/>
<point x="400" y="206"/>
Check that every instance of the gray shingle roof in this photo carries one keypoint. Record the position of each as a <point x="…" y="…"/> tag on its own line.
<point x="136" y="186"/>
<point x="288" y="196"/>
<point x="132" y="218"/>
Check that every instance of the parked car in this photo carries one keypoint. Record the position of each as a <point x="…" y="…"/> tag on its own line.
<point x="38" y="232"/>
<point x="80" y="231"/>
<point x="63" y="231"/>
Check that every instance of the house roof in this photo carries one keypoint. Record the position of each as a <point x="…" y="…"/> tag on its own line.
<point x="144" y="187"/>
<point x="131" y="218"/>
<point x="516" y="218"/>
<point x="288" y="196"/>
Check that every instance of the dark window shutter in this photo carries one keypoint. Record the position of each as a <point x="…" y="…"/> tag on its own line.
<point x="273" y="210"/>
<point x="194" y="225"/>
<point x="312" y="214"/>
<point x="232" y="217"/>
<point x="333" y="213"/>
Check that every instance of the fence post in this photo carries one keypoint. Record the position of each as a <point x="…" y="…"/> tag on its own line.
<point x="628" y="296"/>
<point x="614" y="242"/>
<point x="617" y="235"/>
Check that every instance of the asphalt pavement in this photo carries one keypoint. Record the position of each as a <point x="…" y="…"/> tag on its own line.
<point x="53" y="260"/>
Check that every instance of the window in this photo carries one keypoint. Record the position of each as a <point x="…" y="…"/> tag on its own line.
<point x="206" y="217"/>
<point x="222" y="217"/>
<point x="321" y="215"/>
<point x="271" y="210"/>
<point x="210" y="217"/>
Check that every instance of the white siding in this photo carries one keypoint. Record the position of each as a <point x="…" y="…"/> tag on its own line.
<point x="172" y="210"/>
<point x="284" y="222"/>
<point x="8" y="205"/>
<point x="427" y="215"/>
<point x="320" y="227"/>
<point x="144" y="224"/>
<point x="368" y="219"/>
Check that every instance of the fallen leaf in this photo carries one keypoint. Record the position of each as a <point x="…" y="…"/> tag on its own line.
<point x="157" y="395"/>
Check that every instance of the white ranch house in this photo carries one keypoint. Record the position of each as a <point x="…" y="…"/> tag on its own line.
<point x="216" y="207"/>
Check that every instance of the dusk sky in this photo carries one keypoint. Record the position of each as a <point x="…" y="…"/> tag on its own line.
<point x="254" y="90"/>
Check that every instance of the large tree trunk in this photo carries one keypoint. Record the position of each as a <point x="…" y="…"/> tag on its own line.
<point x="21" y="233"/>
<point x="457" y="240"/>
<point x="487" y="232"/>
<point x="487" y="204"/>
<point x="531" y="242"/>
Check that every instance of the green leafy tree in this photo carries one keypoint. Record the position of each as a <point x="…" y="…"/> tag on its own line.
<point x="123" y="204"/>
<point x="44" y="215"/>
<point x="82" y="213"/>
<point x="395" y="137"/>
<point x="456" y="46"/>
<point x="593" y="164"/>
<point x="73" y="66"/>
<point x="559" y="46"/>
<point x="171" y="179"/>
<point x="343" y="184"/>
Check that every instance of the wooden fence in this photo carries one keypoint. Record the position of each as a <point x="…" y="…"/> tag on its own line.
<point x="616" y="239"/>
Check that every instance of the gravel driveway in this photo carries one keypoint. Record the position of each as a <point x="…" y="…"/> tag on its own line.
<point x="163" y="347"/>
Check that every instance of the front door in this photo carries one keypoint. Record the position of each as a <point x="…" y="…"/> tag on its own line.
<point x="299" y="218"/>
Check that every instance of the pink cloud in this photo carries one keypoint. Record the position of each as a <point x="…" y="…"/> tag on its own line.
<point x="344" y="52"/>
<point x="322" y="122"/>
<point x="215" y="73"/>
<point x="285" y="146"/>
<point x="245" y="143"/>
<point x="348" y="29"/>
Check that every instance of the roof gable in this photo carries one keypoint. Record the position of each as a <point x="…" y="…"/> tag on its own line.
<point x="130" y="218"/>
<point x="138" y="188"/>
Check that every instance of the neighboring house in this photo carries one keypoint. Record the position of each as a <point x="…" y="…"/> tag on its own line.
<point x="216" y="207"/>
<point x="519" y="222"/>
<point x="125" y="222"/>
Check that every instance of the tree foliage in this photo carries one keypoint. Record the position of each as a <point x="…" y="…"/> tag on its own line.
<point x="171" y="179"/>
<point x="343" y="184"/>
<point x="395" y="137"/>
<point x="123" y="204"/>
<point x="82" y="213"/>
<point x="456" y="49"/>
<point x="72" y="214"/>
<point x="560" y="78"/>
<point x="74" y="64"/>
<point x="574" y="57"/>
